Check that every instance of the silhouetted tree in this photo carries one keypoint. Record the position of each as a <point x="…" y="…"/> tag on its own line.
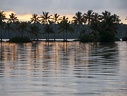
<point x="22" y="28"/>
<point x="48" y="30"/>
<point x="35" y="19"/>
<point x="2" y="18"/>
<point x="95" y="25"/>
<point x="34" y="31"/>
<point x="13" y="18"/>
<point x="45" y="17"/>
<point x="78" y="20"/>
<point x="64" y="26"/>
<point x="55" y="20"/>
<point x="8" y="27"/>
<point x="88" y="17"/>
<point x="108" y="26"/>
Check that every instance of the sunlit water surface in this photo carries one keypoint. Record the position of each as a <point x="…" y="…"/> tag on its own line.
<point x="63" y="69"/>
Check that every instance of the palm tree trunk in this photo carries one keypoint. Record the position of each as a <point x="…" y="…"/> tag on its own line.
<point x="66" y="34"/>
<point x="48" y="36"/>
<point x="55" y="33"/>
<point x="1" y="34"/>
<point x="79" y="31"/>
<point x="9" y="34"/>
<point x="37" y="37"/>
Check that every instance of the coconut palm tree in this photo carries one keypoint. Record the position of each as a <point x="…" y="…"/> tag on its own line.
<point x="13" y="18"/>
<point x="8" y="27"/>
<point x="78" y="20"/>
<point x="2" y="18"/>
<point x="55" y="20"/>
<point x="45" y="17"/>
<point x="22" y="28"/>
<point x="34" y="31"/>
<point x="109" y="24"/>
<point x="49" y="30"/>
<point x="107" y="20"/>
<point x="35" y="19"/>
<point x="14" y="21"/>
<point x="88" y="17"/>
<point x="64" y="26"/>
<point x="95" y="25"/>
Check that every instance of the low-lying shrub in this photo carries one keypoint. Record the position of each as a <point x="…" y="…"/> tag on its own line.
<point x="87" y="38"/>
<point x="124" y="39"/>
<point x="19" y="40"/>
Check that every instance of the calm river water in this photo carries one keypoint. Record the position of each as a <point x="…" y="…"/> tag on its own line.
<point x="63" y="69"/>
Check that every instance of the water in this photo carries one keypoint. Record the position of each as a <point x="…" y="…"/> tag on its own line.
<point x="63" y="69"/>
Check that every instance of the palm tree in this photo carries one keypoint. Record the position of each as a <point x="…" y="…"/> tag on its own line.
<point x="64" y="26"/>
<point x="13" y="18"/>
<point x="48" y="29"/>
<point x="2" y="18"/>
<point x="95" y="25"/>
<point x="45" y="17"/>
<point x="35" y="19"/>
<point x="109" y="24"/>
<point x="8" y="27"/>
<point x="88" y="17"/>
<point x="78" y="20"/>
<point x="22" y="28"/>
<point x="55" y="20"/>
<point x="116" y="19"/>
<point x="107" y="19"/>
<point x="15" y="27"/>
<point x="34" y="31"/>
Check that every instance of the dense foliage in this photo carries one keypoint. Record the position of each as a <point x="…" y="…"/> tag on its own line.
<point x="91" y="26"/>
<point x="20" y="40"/>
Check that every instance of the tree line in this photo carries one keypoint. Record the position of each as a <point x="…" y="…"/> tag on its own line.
<point x="100" y="27"/>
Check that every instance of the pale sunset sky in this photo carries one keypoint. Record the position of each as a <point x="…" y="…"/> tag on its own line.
<point x="24" y="8"/>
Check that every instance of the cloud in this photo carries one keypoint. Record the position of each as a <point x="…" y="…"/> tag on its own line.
<point x="63" y="6"/>
<point x="36" y="6"/>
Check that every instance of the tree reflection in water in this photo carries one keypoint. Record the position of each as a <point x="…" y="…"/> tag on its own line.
<point x="70" y="68"/>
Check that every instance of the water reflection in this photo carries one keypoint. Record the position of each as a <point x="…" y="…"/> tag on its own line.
<point x="63" y="68"/>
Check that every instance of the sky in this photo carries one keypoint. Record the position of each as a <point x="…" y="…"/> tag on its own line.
<point x="24" y="8"/>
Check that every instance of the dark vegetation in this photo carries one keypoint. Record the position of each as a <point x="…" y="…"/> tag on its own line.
<point x="90" y="26"/>
<point x="124" y="39"/>
<point x="20" y="40"/>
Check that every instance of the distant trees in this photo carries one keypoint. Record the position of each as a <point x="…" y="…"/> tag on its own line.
<point x="2" y="18"/>
<point x="13" y="18"/>
<point x="108" y="26"/>
<point x="55" y="20"/>
<point x="49" y="30"/>
<point x="65" y="27"/>
<point x="45" y="17"/>
<point x="78" y="20"/>
<point x="34" y="31"/>
<point x="104" y="27"/>
<point x="7" y="28"/>
<point x="22" y="27"/>
<point x="90" y="26"/>
<point x="35" y="19"/>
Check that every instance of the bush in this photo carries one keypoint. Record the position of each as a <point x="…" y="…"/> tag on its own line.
<point x="19" y="40"/>
<point x="87" y="38"/>
<point x="124" y="39"/>
<point x="106" y="36"/>
<point x="117" y="39"/>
